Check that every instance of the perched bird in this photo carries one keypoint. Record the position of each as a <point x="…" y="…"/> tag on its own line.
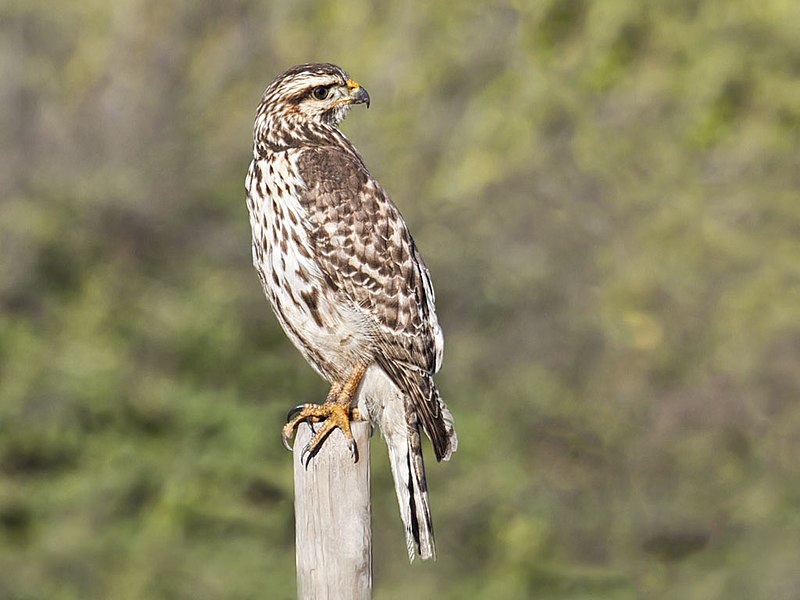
<point x="346" y="282"/>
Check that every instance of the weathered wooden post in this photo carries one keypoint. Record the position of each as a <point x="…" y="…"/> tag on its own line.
<point x="333" y="533"/>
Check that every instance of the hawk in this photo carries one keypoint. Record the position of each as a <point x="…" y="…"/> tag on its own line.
<point x="346" y="282"/>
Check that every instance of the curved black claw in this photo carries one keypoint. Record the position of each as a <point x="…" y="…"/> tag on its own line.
<point x="312" y="448"/>
<point x="331" y="415"/>
<point x="292" y="420"/>
<point x="307" y="455"/>
<point x="296" y="410"/>
<point x="288" y="430"/>
<point x="285" y="439"/>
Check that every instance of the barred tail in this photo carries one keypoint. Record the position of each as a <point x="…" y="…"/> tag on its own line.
<point x="408" y="470"/>
<point x="397" y="415"/>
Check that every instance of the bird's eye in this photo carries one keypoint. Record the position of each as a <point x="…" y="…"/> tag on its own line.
<point x="320" y="92"/>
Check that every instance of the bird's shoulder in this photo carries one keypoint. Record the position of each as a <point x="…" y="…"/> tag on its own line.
<point x="333" y="170"/>
<point x="340" y="195"/>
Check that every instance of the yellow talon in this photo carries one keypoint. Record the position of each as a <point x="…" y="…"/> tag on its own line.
<point x="334" y="412"/>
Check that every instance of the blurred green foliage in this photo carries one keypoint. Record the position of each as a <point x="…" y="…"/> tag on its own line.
<point x="608" y="196"/>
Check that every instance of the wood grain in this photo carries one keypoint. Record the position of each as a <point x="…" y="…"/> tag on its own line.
<point x="333" y="531"/>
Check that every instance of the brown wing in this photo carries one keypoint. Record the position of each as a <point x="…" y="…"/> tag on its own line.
<point x="367" y="252"/>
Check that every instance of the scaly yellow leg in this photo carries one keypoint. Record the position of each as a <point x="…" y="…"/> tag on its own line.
<point x="334" y="412"/>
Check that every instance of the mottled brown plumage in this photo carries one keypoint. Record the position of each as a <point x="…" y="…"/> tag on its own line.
<point x="344" y="276"/>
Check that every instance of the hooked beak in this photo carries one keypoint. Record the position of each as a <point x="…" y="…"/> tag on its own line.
<point x="358" y="95"/>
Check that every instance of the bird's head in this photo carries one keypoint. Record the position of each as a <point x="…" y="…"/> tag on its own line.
<point x="313" y="93"/>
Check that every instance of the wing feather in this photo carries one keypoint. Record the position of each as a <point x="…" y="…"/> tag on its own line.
<point x="365" y="248"/>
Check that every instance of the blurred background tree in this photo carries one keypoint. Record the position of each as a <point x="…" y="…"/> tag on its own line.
<point x="607" y="194"/>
